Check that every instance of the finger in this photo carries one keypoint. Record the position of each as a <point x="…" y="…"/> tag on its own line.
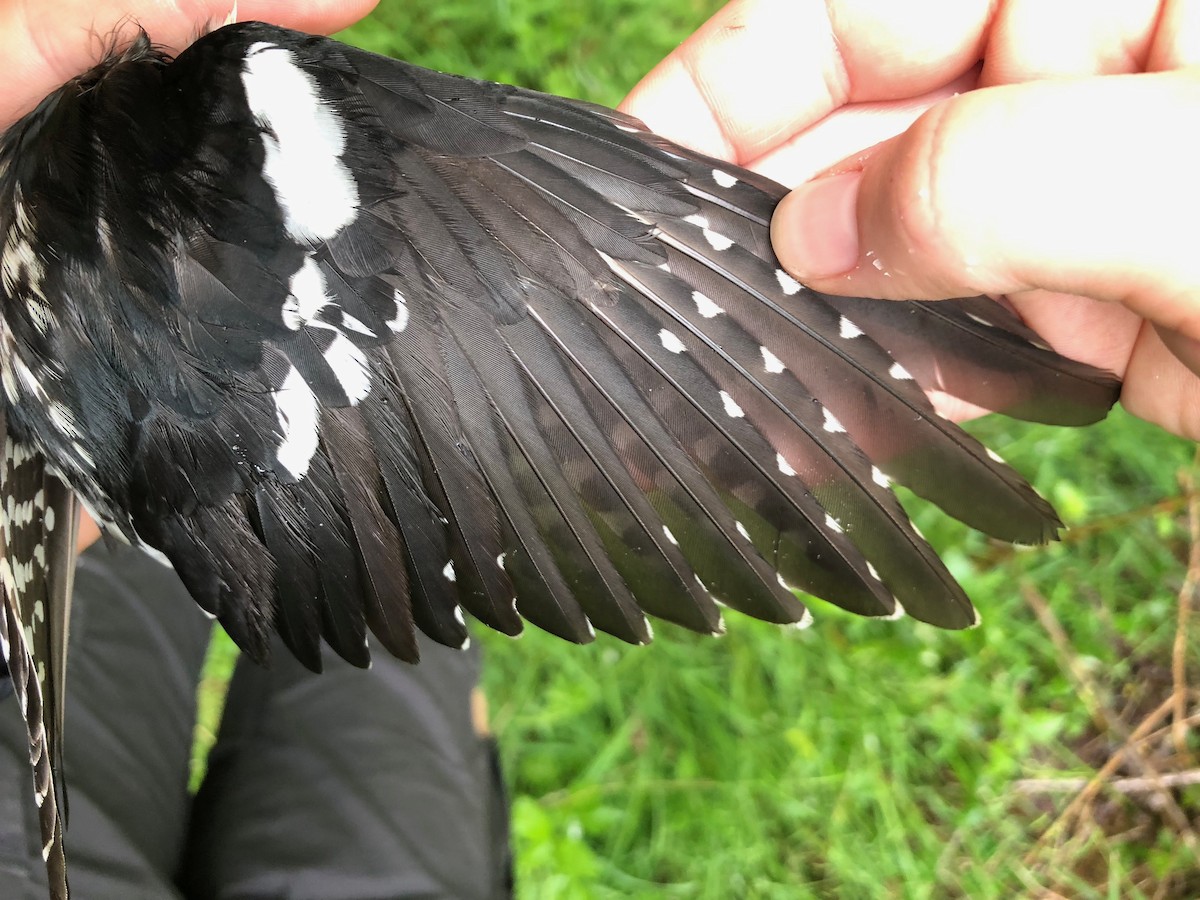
<point x="1035" y="39"/>
<point x="1160" y="388"/>
<point x="1014" y="188"/>
<point x="761" y="70"/>
<point x="46" y="44"/>
<point x="1177" y="40"/>
<point x="1091" y="331"/>
<point x="1027" y="40"/>
<point x="847" y="131"/>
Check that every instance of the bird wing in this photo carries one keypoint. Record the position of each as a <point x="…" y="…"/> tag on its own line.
<point x="395" y="345"/>
<point x="38" y="520"/>
<point x="362" y="347"/>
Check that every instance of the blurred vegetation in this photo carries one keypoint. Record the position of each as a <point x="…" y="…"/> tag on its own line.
<point x="856" y="758"/>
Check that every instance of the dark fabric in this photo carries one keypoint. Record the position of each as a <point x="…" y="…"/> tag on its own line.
<point x="351" y="784"/>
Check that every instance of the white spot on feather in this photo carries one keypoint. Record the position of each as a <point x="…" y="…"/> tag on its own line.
<point x="82" y="454"/>
<point x="832" y="524"/>
<point x="705" y="306"/>
<point x="19" y="262"/>
<point x="349" y="365"/>
<point x="298" y="414"/>
<point x="784" y="466"/>
<point x="670" y="537"/>
<point x="41" y="315"/>
<point x="458" y="615"/>
<point x="741" y="529"/>
<point x="723" y="178"/>
<point x="832" y="425"/>
<point x="731" y="408"/>
<point x="9" y="382"/>
<point x="350" y="323"/>
<point x="879" y="478"/>
<point x="789" y="284"/>
<point x="900" y="373"/>
<point x="848" y="329"/>
<point x="994" y="456"/>
<point x="62" y="419"/>
<point x="303" y="140"/>
<point x="872" y="571"/>
<point x="715" y="239"/>
<point x="671" y="341"/>
<point x="26" y="377"/>
<point x="400" y="321"/>
<point x="448" y="572"/>
<point x="18" y="453"/>
<point x="307" y="295"/>
<point x="771" y="362"/>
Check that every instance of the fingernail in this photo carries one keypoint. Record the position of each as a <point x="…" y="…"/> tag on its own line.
<point x="815" y="228"/>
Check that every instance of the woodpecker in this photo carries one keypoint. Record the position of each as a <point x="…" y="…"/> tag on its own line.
<point x="359" y="346"/>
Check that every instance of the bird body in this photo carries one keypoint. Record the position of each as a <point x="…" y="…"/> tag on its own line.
<point x="360" y="346"/>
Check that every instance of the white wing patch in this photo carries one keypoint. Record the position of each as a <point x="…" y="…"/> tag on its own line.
<point x="304" y="145"/>
<point x="308" y="295"/>
<point x="400" y="321"/>
<point x="349" y="364"/>
<point x="298" y="414"/>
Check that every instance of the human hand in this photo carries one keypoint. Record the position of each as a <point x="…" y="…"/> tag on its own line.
<point x="45" y="43"/>
<point x="1063" y="175"/>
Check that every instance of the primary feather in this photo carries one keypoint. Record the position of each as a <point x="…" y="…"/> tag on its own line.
<point x="359" y="346"/>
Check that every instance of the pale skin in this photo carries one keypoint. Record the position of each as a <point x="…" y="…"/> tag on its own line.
<point x="1063" y="175"/>
<point x="1042" y="150"/>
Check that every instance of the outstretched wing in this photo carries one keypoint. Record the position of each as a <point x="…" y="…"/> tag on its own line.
<point x="38" y="520"/>
<point x="545" y="358"/>
<point x="361" y="346"/>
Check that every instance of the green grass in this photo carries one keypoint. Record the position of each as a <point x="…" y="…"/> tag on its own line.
<point x="857" y="758"/>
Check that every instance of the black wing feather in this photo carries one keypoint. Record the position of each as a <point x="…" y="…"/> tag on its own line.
<point x="360" y="346"/>
<point x="38" y="521"/>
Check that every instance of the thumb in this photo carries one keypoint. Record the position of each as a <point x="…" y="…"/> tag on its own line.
<point x="1083" y="186"/>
